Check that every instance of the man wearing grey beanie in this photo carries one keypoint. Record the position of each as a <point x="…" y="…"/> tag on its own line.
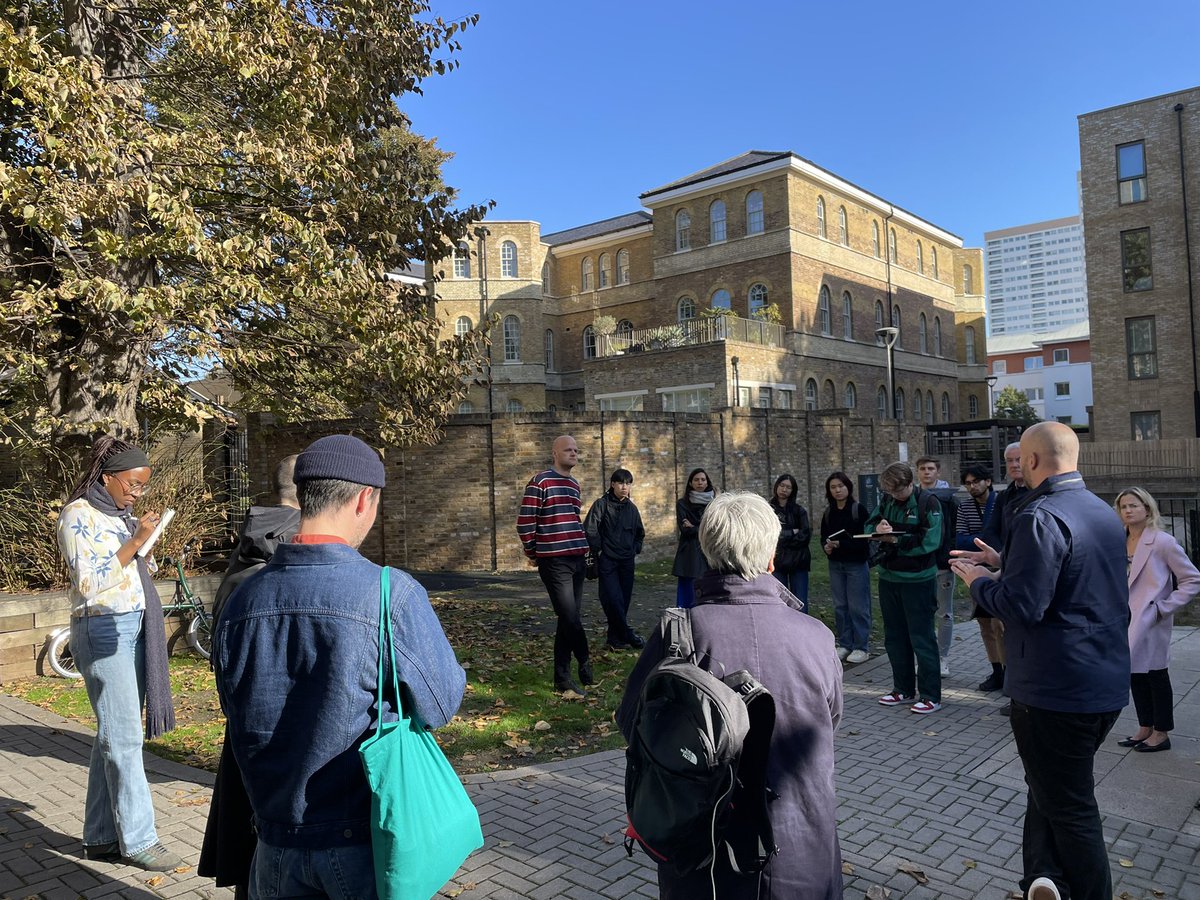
<point x="295" y="654"/>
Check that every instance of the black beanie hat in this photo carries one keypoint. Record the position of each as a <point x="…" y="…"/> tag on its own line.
<point x="342" y="457"/>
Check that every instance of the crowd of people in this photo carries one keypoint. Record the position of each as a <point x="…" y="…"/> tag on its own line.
<point x="1074" y="600"/>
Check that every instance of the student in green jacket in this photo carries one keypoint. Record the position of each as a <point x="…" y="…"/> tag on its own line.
<point x="912" y="520"/>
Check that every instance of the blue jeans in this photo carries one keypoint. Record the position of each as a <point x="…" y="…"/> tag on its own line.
<point x="109" y="653"/>
<point x="796" y="582"/>
<point x="685" y="593"/>
<point x="851" y="586"/>
<point x="341" y="873"/>
<point x="616" y="591"/>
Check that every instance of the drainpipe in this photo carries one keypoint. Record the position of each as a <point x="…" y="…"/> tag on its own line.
<point x="482" y="232"/>
<point x="887" y="260"/>
<point x="1187" y="244"/>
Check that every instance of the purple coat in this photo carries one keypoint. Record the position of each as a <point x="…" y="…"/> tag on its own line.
<point x="1152" y="602"/>
<point x="739" y="624"/>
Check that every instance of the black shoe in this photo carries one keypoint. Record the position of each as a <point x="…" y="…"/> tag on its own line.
<point x="102" y="852"/>
<point x="569" y="687"/>
<point x="1153" y="748"/>
<point x="1007" y="711"/>
<point x="636" y="641"/>
<point x="585" y="673"/>
<point x="1131" y="742"/>
<point x="993" y="682"/>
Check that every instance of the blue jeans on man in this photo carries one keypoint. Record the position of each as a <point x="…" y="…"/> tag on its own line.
<point x="850" y="583"/>
<point x="342" y="873"/>
<point x="108" y="651"/>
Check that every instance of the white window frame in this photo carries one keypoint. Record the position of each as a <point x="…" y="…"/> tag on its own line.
<point x="850" y="396"/>
<point x="847" y="316"/>
<point x="548" y="349"/>
<point x="683" y="231"/>
<point x="824" y="311"/>
<point x="678" y="389"/>
<point x="755" y="220"/>
<point x="685" y="305"/>
<point x="759" y="294"/>
<point x="508" y="260"/>
<point x="1000" y="367"/>
<point x="1065" y="359"/>
<point x="462" y="325"/>
<point x="604" y="402"/>
<point x="512" y="340"/>
<point x="843" y="227"/>
<point x="622" y="267"/>
<point x="822" y="230"/>
<point x="585" y="274"/>
<point x="716" y="221"/>
<point x="602" y="267"/>
<point x="462" y="261"/>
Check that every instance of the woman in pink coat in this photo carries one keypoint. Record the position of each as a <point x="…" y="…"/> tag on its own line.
<point x="1154" y="557"/>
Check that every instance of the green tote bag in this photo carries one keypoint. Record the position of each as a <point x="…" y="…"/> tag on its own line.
<point x="423" y="824"/>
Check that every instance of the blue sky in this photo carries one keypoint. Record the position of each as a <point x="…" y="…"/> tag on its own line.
<point x="963" y="113"/>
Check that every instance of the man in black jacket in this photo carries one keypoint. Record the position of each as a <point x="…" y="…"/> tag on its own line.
<point x="615" y="534"/>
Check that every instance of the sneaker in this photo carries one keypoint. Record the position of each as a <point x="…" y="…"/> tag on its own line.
<point x="155" y="858"/>
<point x="945" y="667"/>
<point x="585" y="674"/>
<point x="1043" y="889"/>
<point x="102" y="852"/>
<point x="924" y="707"/>
<point x="858" y="656"/>
<point x="842" y="652"/>
<point x="993" y="682"/>
<point x="895" y="698"/>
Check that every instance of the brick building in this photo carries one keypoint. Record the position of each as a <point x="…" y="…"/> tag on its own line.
<point x="1139" y="169"/>
<point x="1053" y="370"/>
<point x="804" y="265"/>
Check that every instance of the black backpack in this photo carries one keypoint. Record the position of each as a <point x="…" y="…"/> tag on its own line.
<point x="945" y="497"/>
<point x="695" y="770"/>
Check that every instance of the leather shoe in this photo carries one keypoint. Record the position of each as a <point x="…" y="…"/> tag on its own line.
<point x="585" y="674"/>
<point x="991" y="683"/>
<point x="636" y="641"/>
<point x="1153" y="748"/>
<point x="1130" y="742"/>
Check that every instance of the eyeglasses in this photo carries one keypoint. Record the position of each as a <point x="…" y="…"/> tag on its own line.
<point x="138" y="490"/>
<point x="972" y="482"/>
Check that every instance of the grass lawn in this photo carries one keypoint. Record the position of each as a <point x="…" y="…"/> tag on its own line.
<point x="511" y="715"/>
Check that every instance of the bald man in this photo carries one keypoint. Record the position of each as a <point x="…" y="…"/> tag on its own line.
<point x="554" y="541"/>
<point x="1063" y="597"/>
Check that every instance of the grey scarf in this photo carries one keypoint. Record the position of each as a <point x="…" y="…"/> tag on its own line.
<point x="701" y="498"/>
<point x="160" y="712"/>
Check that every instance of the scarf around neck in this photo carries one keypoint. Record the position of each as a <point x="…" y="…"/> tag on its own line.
<point x="701" y="498"/>
<point x="160" y="712"/>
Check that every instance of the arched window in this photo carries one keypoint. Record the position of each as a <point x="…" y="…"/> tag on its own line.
<point x="686" y="309"/>
<point x="548" y="348"/>
<point x="875" y="238"/>
<point x="508" y="260"/>
<point x="622" y="267"/>
<point x="966" y="279"/>
<point x="850" y="396"/>
<point x="826" y="314"/>
<point x="821" y="230"/>
<point x="972" y="407"/>
<point x="810" y="394"/>
<point x="683" y="230"/>
<point x="937" y="336"/>
<point x="929" y="418"/>
<point x="757" y="298"/>
<point x="933" y="259"/>
<point x="716" y="221"/>
<point x="462" y="325"/>
<point x="754" y="212"/>
<point x="828" y="395"/>
<point x="589" y="342"/>
<point x="585" y="274"/>
<point x="462" y="261"/>
<point x="843" y="230"/>
<point x="918" y="405"/>
<point x="466" y="408"/>
<point x="945" y="407"/>
<point x="881" y="403"/>
<point x="847" y="316"/>
<point x="899" y="403"/>
<point x="892" y="245"/>
<point x="878" y="322"/>
<point x="922" y="334"/>
<point x="512" y="339"/>
<point x="896" y="324"/>
<point x="605" y="260"/>
<point x="969" y="339"/>
<point x="625" y="328"/>
<point x="721" y="299"/>
<point x="515" y="406"/>
<point x="546" y="277"/>
<point x="920" y="259"/>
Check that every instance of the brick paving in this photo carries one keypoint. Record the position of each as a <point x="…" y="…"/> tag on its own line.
<point x="941" y="792"/>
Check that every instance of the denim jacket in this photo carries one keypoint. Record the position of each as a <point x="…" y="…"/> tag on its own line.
<point x="296" y="660"/>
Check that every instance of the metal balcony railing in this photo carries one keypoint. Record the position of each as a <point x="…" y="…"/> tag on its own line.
<point x="689" y="333"/>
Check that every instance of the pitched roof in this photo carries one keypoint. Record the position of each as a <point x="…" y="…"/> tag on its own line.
<point x="744" y="161"/>
<point x="1000" y="344"/>
<point x="595" y="229"/>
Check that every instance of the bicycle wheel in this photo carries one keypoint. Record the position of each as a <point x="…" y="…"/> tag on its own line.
<point x="58" y="654"/>
<point x="200" y="634"/>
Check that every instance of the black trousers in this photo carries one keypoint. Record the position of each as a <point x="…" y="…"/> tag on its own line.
<point x="1063" y="838"/>
<point x="1153" y="699"/>
<point x="616" y="591"/>
<point x="563" y="577"/>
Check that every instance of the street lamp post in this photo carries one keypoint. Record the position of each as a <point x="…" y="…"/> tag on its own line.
<point x="888" y="335"/>
<point x="991" y="383"/>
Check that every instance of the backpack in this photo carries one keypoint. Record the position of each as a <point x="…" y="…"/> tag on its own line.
<point x="945" y="496"/>
<point x="695" y="771"/>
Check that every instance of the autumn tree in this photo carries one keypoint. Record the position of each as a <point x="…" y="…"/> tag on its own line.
<point x="187" y="184"/>
<point x="1012" y="403"/>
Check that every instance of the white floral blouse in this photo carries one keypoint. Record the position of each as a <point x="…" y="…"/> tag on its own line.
<point x="89" y="541"/>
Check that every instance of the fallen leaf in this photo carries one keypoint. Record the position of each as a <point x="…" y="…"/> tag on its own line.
<point x="606" y="839"/>
<point x="914" y="870"/>
<point x="929" y="733"/>
<point x="155" y="881"/>
<point x="847" y="869"/>
<point x="876" y="892"/>
<point x="969" y="863"/>
<point x="1125" y="863"/>
<point x="183" y="868"/>
<point x="541" y="725"/>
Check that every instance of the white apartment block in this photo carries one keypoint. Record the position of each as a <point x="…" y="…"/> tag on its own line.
<point x="1035" y="277"/>
<point x="1053" y="371"/>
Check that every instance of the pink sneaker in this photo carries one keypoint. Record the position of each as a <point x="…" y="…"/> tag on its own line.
<point x="924" y="707"/>
<point x="895" y="698"/>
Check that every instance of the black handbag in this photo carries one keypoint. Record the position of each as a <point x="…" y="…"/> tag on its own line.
<point x="591" y="567"/>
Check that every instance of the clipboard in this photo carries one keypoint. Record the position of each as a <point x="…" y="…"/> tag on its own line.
<point x="876" y="536"/>
<point x="145" y="549"/>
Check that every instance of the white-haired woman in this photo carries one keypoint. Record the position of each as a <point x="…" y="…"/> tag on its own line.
<point x="742" y="620"/>
<point x="1161" y="581"/>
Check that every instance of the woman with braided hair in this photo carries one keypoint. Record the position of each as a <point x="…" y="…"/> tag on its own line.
<point x="120" y="648"/>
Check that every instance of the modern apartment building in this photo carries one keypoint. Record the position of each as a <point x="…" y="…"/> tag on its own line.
<point x="760" y="281"/>
<point x="1035" y="277"/>
<point x="1053" y="371"/>
<point x="1140" y="176"/>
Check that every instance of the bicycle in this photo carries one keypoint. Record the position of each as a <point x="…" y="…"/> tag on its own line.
<point x="184" y="601"/>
